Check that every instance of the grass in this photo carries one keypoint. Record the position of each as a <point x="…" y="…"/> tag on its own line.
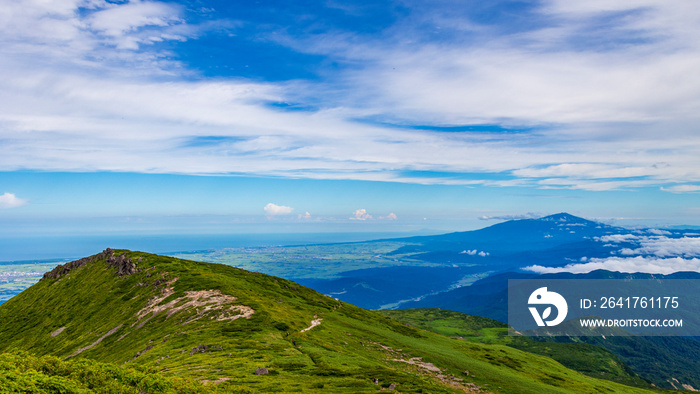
<point x="344" y="354"/>
<point x="21" y="372"/>
<point x="590" y="360"/>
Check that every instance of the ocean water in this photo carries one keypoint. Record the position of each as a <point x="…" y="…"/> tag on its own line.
<point x="72" y="247"/>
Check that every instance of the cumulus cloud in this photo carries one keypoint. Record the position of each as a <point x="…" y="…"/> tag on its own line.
<point x="391" y="216"/>
<point x="9" y="200"/>
<point x="274" y="209"/>
<point x="360" y="214"/>
<point x="305" y="216"/>
<point x="650" y="265"/>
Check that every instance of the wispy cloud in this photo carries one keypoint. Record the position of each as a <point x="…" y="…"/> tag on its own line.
<point x="9" y="200"/>
<point x="682" y="188"/>
<point x="90" y="86"/>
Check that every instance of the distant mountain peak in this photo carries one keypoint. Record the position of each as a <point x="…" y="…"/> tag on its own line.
<point x="564" y="217"/>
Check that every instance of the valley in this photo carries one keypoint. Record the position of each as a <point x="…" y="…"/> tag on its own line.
<point x="231" y="313"/>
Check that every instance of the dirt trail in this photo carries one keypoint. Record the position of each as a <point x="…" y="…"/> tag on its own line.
<point x="314" y="323"/>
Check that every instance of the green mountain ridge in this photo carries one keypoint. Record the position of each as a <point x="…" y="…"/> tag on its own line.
<point x="588" y="359"/>
<point x="246" y="331"/>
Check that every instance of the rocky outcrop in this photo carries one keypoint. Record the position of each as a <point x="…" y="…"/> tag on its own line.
<point x="123" y="264"/>
<point x="204" y="349"/>
<point x="149" y="347"/>
<point x="63" y="269"/>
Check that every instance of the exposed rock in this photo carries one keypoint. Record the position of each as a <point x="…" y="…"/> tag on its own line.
<point x="392" y="386"/>
<point x="123" y="264"/>
<point x="418" y="361"/>
<point x="204" y="349"/>
<point x="55" y="333"/>
<point x="262" y="371"/>
<point x="314" y="323"/>
<point x="63" y="269"/>
<point x="204" y="303"/>
<point x="149" y="347"/>
<point x="199" y="349"/>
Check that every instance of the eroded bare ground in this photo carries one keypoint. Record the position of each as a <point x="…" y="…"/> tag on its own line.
<point x="427" y="368"/>
<point x="217" y="381"/>
<point x="97" y="342"/>
<point x="204" y="303"/>
<point x="314" y="323"/>
<point x="57" y="332"/>
<point x="209" y="303"/>
<point x="684" y="386"/>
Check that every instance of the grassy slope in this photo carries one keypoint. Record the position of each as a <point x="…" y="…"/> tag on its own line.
<point x="588" y="359"/>
<point x="344" y="353"/>
<point x="23" y="373"/>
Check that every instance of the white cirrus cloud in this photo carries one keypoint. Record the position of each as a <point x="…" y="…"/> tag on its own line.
<point x="649" y="265"/>
<point x="9" y="200"/>
<point x="360" y="214"/>
<point x="274" y="209"/>
<point x="83" y="90"/>
<point x="117" y="20"/>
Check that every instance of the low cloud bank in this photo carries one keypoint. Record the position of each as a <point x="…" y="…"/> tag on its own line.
<point x="649" y="265"/>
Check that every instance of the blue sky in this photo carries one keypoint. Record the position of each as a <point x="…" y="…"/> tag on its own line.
<point x="237" y="116"/>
